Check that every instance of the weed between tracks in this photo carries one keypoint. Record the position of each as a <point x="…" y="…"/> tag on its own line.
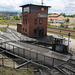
<point x="2" y="28"/>
<point x="10" y="71"/>
<point x="60" y="33"/>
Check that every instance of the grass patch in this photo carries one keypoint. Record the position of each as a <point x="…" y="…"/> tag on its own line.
<point x="10" y="22"/>
<point x="13" y="29"/>
<point x="10" y="71"/>
<point x="66" y="28"/>
<point x="60" y="33"/>
<point x="62" y="26"/>
<point x="73" y="29"/>
<point x="2" y="28"/>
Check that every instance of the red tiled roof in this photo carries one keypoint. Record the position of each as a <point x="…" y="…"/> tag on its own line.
<point x="53" y="16"/>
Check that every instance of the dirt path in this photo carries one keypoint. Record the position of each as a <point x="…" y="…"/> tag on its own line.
<point x="7" y="62"/>
<point x="13" y="27"/>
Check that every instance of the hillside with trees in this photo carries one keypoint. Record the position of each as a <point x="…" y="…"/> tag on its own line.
<point x="73" y="15"/>
<point x="11" y="18"/>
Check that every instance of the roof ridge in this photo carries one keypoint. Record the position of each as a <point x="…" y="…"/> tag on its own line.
<point x="33" y="5"/>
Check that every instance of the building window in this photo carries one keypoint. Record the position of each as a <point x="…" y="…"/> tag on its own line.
<point x="40" y="21"/>
<point x="25" y="30"/>
<point x="26" y="20"/>
<point x="35" y="31"/>
<point x="23" y="20"/>
<point x="26" y="9"/>
<point x="35" y="21"/>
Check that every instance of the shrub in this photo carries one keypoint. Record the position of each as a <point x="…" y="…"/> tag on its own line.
<point x="74" y="28"/>
<point x="66" y="26"/>
<point x="48" y="24"/>
<point x="62" y="25"/>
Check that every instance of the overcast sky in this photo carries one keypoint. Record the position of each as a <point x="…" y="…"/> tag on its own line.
<point x="58" y="6"/>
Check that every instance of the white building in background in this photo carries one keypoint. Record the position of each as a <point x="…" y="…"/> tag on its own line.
<point x="71" y="20"/>
<point x="56" y="18"/>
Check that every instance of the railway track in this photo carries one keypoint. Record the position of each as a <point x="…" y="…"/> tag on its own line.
<point x="71" y="61"/>
<point x="68" y="68"/>
<point x="66" y="71"/>
<point x="62" y="32"/>
<point x="56" y="71"/>
<point x="53" y="71"/>
<point x="44" y="71"/>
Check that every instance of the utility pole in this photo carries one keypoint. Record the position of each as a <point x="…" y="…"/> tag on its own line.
<point x="68" y="40"/>
<point x="42" y="2"/>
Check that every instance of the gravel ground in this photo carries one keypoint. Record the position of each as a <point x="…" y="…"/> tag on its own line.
<point x="13" y="27"/>
<point x="7" y="62"/>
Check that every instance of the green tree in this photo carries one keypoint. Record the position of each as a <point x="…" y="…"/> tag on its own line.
<point x="52" y="13"/>
<point x="73" y="15"/>
<point x="7" y="17"/>
<point x="50" y="19"/>
<point x="67" y="20"/>
<point x="1" y="18"/>
<point x="4" y="18"/>
<point x="63" y="14"/>
<point x="16" y="17"/>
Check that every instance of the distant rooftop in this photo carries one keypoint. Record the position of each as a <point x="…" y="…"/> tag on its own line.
<point x="34" y="5"/>
<point x="54" y="15"/>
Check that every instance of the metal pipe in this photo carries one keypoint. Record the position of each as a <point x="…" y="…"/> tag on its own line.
<point x="22" y="65"/>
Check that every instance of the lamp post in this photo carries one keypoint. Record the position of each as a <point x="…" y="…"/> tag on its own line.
<point x="42" y="2"/>
<point x="68" y="40"/>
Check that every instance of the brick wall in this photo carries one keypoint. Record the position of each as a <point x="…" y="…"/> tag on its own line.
<point x="30" y="26"/>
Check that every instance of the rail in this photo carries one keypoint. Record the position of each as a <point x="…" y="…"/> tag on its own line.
<point x="28" y="53"/>
<point x="17" y="38"/>
<point x="14" y="33"/>
<point x="61" y="29"/>
<point x="28" y="60"/>
<point x="10" y="49"/>
<point x="61" y="34"/>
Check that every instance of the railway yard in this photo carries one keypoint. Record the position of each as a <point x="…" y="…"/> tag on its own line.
<point x="34" y="54"/>
<point x="62" y="32"/>
<point x="34" y="46"/>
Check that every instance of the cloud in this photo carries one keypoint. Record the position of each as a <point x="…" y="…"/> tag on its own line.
<point x="59" y="6"/>
<point x="62" y="6"/>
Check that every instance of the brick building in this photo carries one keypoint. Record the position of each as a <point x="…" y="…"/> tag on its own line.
<point x="34" y="20"/>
